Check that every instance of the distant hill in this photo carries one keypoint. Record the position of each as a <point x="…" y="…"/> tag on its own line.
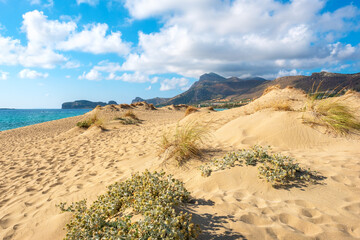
<point x="329" y="81"/>
<point x="84" y="104"/>
<point x="213" y="86"/>
<point x="155" y="101"/>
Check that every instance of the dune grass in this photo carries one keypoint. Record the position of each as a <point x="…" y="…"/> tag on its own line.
<point x="327" y="110"/>
<point x="184" y="143"/>
<point x="334" y="115"/>
<point x="93" y="121"/>
<point x="190" y="109"/>
<point x="129" y="118"/>
<point x="130" y="114"/>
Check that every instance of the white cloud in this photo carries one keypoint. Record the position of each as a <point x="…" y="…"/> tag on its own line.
<point x="240" y="37"/>
<point x="135" y="77"/>
<point x="72" y="64"/>
<point x="3" y="75"/>
<point x="93" y="39"/>
<point x="32" y="74"/>
<point x="173" y="83"/>
<point x="148" y="88"/>
<point x="46" y="38"/>
<point x="93" y="75"/>
<point x="90" y="2"/>
<point x="68" y="76"/>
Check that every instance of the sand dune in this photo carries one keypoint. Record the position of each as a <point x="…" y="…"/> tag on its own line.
<point x="49" y="163"/>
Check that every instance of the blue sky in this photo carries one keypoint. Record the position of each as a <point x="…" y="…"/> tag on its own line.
<point x="53" y="51"/>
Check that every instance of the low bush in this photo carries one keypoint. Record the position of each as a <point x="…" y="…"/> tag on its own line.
<point x="89" y="122"/>
<point x="142" y="207"/>
<point x="274" y="168"/>
<point x="184" y="142"/>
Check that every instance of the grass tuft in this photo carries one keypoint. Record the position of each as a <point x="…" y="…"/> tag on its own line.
<point x="330" y="112"/>
<point x="184" y="143"/>
<point x="90" y="122"/>
<point x="130" y="114"/>
<point x="190" y="109"/>
<point x="335" y="116"/>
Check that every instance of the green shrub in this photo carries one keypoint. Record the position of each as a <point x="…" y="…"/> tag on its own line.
<point x="152" y="197"/>
<point x="89" y="122"/>
<point x="274" y="168"/>
<point x="184" y="143"/>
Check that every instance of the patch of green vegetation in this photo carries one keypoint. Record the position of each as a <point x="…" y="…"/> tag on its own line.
<point x="274" y="168"/>
<point x="142" y="207"/>
<point x="89" y="122"/>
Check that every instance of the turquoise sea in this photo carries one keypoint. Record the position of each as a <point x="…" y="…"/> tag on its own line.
<point x="10" y="119"/>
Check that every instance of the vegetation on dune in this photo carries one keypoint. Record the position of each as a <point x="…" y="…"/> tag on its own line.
<point x="277" y="169"/>
<point x="90" y="122"/>
<point x="190" y="109"/>
<point x="184" y="142"/>
<point x="130" y="114"/>
<point x="330" y="112"/>
<point x="142" y="207"/>
<point x="129" y="118"/>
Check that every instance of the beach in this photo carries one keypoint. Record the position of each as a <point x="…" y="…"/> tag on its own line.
<point x="48" y="163"/>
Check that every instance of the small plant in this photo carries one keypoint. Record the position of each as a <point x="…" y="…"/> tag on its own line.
<point x="130" y="114"/>
<point x="89" y="122"/>
<point x="151" y="197"/>
<point x="190" y="109"/>
<point x="335" y="116"/>
<point x="330" y="112"/>
<point x="184" y="143"/>
<point x="275" y="168"/>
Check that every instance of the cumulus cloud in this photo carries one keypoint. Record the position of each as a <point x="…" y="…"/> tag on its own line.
<point x="3" y="75"/>
<point x="173" y="83"/>
<point x="93" y="75"/>
<point x="32" y="74"/>
<point x="93" y="39"/>
<point x="46" y="38"/>
<point x="240" y="37"/>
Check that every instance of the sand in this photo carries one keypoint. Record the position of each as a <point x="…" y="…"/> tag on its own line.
<point x="45" y="164"/>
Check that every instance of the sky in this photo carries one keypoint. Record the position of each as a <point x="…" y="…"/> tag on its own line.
<point x="54" y="51"/>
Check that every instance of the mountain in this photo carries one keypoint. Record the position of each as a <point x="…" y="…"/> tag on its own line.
<point x="329" y="81"/>
<point x="84" y="104"/>
<point x="213" y="86"/>
<point x="155" y="101"/>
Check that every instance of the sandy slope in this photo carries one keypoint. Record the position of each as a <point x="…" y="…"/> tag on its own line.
<point x="53" y="162"/>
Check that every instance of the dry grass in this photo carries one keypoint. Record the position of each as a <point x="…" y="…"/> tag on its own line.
<point x="327" y="110"/>
<point x="184" y="143"/>
<point x="130" y="114"/>
<point x="270" y="88"/>
<point x="334" y="115"/>
<point x="277" y="105"/>
<point x="190" y="109"/>
<point x="94" y="121"/>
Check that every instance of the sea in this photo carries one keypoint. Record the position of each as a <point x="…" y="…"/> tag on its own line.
<point x="15" y="118"/>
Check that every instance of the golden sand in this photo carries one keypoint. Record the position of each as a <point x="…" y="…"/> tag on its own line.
<point x="45" y="164"/>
